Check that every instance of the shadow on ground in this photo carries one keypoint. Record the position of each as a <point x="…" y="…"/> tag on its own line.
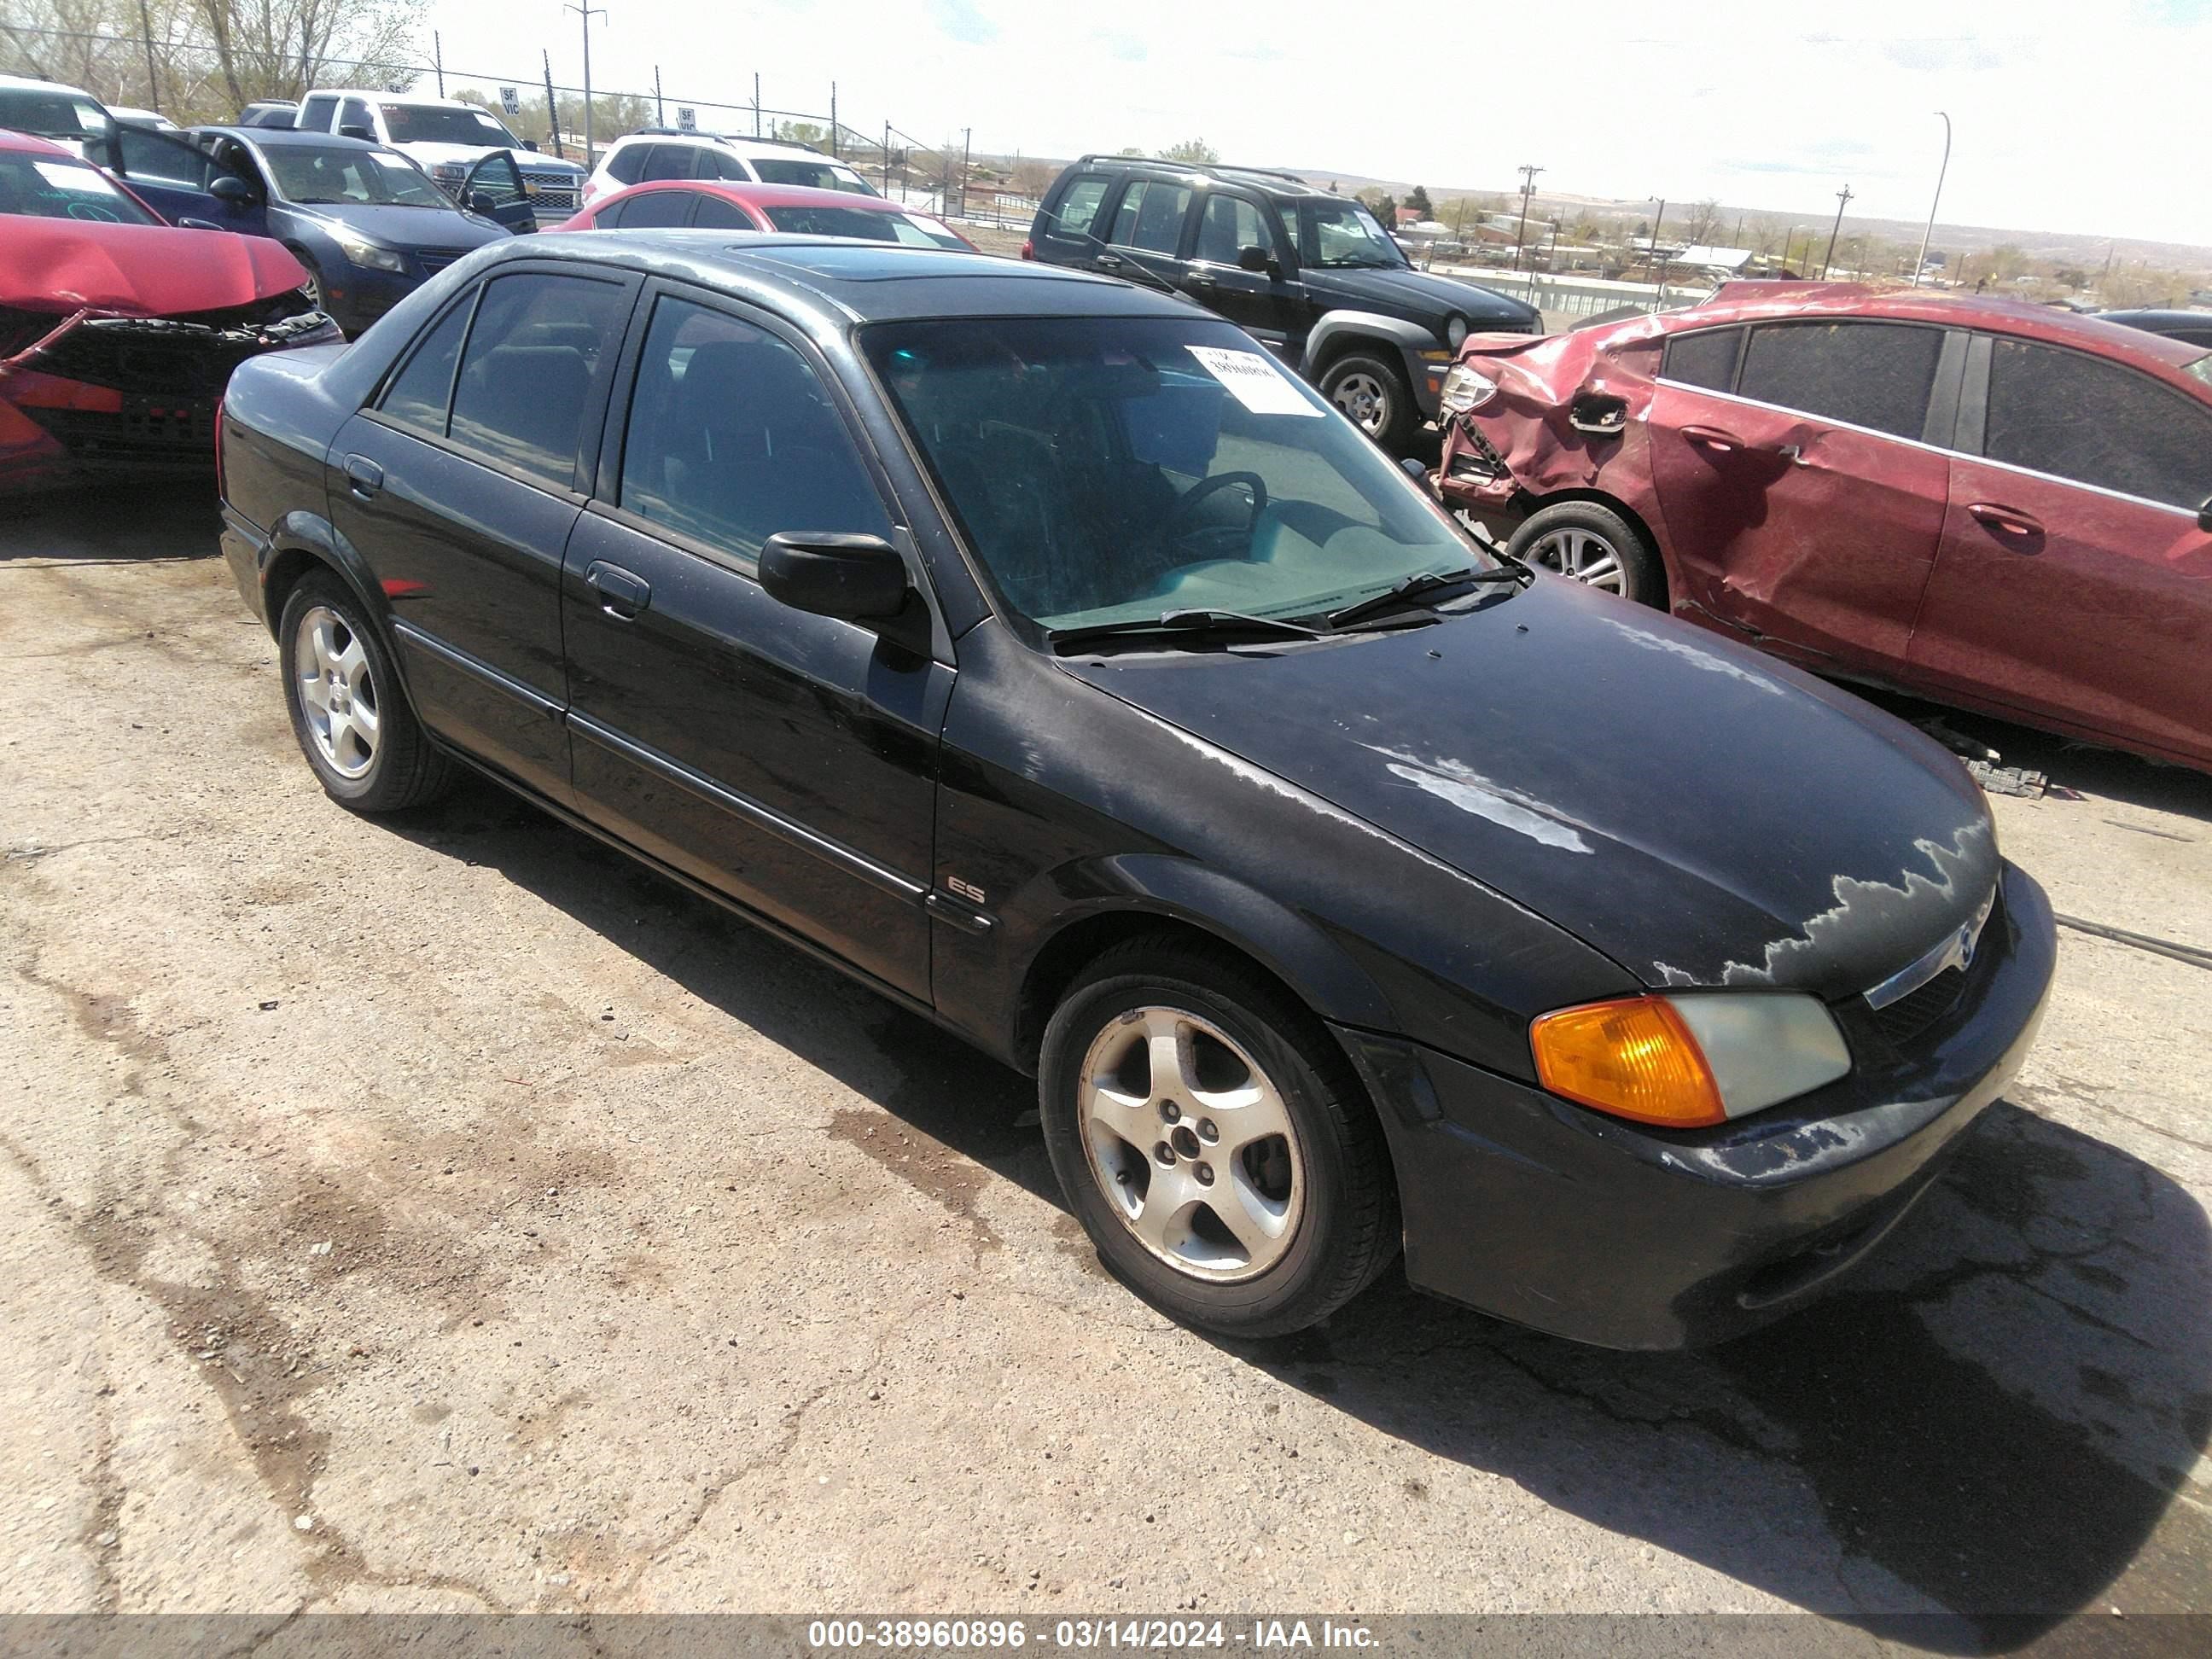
<point x="130" y="521"/>
<point x="1978" y="1438"/>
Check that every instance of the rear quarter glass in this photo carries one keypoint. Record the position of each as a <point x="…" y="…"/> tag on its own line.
<point x="1074" y="212"/>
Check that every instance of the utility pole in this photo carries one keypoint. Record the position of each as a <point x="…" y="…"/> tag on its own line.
<point x="659" y="110"/>
<point x="967" y="138"/>
<point x="887" y="158"/>
<point x="1653" y="251"/>
<point x="1940" y="172"/>
<point x="586" y="12"/>
<point x="1842" y="200"/>
<point x="1528" y="189"/>
<point x="755" y="103"/>
<point x="552" y="107"/>
<point x="437" y="56"/>
<point x="833" y="121"/>
<point x="146" y="34"/>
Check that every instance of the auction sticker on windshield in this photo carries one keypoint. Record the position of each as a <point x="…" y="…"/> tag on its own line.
<point x="1252" y="381"/>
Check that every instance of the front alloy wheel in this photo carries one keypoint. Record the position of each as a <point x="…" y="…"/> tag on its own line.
<point x="1213" y="1140"/>
<point x="1582" y="554"/>
<point x="1191" y="1145"/>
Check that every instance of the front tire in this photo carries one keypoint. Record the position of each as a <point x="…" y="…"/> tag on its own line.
<point x="1594" y="546"/>
<point x="351" y="719"/>
<point x="1214" y="1143"/>
<point x="1374" y="396"/>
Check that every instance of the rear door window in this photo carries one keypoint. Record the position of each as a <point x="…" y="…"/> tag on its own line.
<point x="714" y="213"/>
<point x="669" y="162"/>
<point x="355" y="114"/>
<point x="528" y="371"/>
<point x="1151" y="215"/>
<point x="1876" y="375"/>
<point x="155" y="158"/>
<point x="1704" y="358"/>
<point x="2087" y="419"/>
<point x="627" y="163"/>
<point x="315" y="114"/>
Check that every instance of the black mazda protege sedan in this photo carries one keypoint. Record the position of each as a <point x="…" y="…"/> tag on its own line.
<point x="1035" y="649"/>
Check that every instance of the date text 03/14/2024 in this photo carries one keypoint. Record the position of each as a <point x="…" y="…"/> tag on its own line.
<point x="984" y="1635"/>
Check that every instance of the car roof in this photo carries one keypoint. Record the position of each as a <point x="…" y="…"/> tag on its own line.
<point x="2157" y="316"/>
<point x="839" y="282"/>
<point x="768" y="147"/>
<point x="1763" y="301"/>
<point x="32" y="144"/>
<point x="22" y="82"/>
<point x="378" y="95"/>
<point x="764" y="195"/>
<point x="1272" y="181"/>
<point x="277" y="138"/>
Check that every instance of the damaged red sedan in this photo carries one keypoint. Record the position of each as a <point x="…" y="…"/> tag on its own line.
<point x="1996" y="505"/>
<point x="117" y="332"/>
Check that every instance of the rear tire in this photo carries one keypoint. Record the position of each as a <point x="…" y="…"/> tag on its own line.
<point x="349" y="715"/>
<point x="1374" y="396"/>
<point x="1213" y="1142"/>
<point x="1593" y="545"/>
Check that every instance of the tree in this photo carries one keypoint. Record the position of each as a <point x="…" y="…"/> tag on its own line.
<point x="1702" y="224"/>
<point x="1032" y="178"/>
<point x="1191" y="149"/>
<point x="1382" y="204"/>
<point x="1418" y="199"/>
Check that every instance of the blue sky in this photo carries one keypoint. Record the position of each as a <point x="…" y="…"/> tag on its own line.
<point x="2067" y="117"/>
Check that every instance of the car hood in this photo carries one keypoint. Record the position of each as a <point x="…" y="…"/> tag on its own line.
<point x="1702" y="814"/>
<point x="1418" y="291"/>
<point x="401" y="227"/>
<point x="64" y="265"/>
<point x="529" y="161"/>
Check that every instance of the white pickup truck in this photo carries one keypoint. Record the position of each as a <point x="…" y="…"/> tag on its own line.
<point x="446" y="137"/>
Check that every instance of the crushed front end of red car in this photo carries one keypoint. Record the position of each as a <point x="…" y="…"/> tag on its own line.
<point x="116" y="341"/>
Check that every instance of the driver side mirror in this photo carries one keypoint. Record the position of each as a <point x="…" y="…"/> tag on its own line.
<point x="356" y="130"/>
<point x="232" y="192"/>
<point x="530" y="144"/>
<point x="854" y="577"/>
<point x="482" y="202"/>
<point x="2204" y="518"/>
<point x="1419" y="474"/>
<point x="1257" y="258"/>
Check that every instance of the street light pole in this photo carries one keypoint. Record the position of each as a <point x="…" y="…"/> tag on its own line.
<point x="1653" y="251"/>
<point x="586" y="12"/>
<point x="1842" y="200"/>
<point x="1940" y="172"/>
<point x="1528" y="189"/>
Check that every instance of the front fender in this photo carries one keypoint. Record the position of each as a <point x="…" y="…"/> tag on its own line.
<point x="1341" y="330"/>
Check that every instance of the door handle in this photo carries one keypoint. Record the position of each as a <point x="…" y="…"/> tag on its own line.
<point x="1795" y="454"/>
<point x="622" y="595"/>
<point x="1199" y="279"/>
<point x="364" y="477"/>
<point x="2010" y="520"/>
<point x="1108" y="262"/>
<point x="1713" y="438"/>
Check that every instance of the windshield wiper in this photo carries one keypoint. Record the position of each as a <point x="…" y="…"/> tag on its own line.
<point x="1182" y="621"/>
<point x="1420" y="585"/>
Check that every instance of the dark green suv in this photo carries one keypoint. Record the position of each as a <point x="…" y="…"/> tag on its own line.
<point x="1313" y="276"/>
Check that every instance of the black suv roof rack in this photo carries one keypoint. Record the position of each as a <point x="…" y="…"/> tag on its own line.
<point x="1210" y="169"/>
<point x="741" y="137"/>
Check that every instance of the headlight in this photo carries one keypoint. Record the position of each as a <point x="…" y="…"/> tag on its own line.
<point x="363" y="251"/>
<point x="1691" y="1059"/>
<point x="1464" y="389"/>
<point x="450" y="173"/>
<point x="1455" y="331"/>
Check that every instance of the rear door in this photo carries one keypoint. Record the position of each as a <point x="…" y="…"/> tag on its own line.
<point x="2075" y="580"/>
<point x="1802" y="496"/>
<point x="459" y="486"/>
<point x="1072" y="217"/>
<point x="786" y="760"/>
<point x="1148" y="230"/>
<point x="175" y="177"/>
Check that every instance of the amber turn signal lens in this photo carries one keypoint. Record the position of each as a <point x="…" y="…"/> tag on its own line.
<point x="1633" y="1058"/>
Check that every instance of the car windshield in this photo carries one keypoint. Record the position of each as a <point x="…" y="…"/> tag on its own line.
<point x="421" y="124"/>
<point x="868" y="224"/>
<point x="310" y="175"/>
<point x="1343" y="233"/>
<point x="814" y="175"/>
<point x="1110" y="469"/>
<point x="50" y="114"/>
<point x="51" y="187"/>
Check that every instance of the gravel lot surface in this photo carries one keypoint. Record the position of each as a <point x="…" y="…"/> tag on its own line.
<point x="446" y="1214"/>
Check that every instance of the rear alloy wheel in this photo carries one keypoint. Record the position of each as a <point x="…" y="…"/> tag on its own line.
<point x="1373" y="396"/>
<point x="1223" y="1159"/>
<point x="352" y="723"/>
<point x="1592" y="544"/>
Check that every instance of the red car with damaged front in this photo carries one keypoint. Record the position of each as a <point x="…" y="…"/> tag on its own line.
<point x="1993" y="504"/>
<point x="117" y="330"/>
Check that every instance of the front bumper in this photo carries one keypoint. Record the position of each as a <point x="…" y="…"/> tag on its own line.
<point x="1604" y="1231"/>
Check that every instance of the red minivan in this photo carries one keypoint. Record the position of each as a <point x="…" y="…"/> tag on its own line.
<point x="1990" y="503"/>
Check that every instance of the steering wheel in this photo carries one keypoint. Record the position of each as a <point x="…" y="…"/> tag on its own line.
<point x="1175" y="528"/>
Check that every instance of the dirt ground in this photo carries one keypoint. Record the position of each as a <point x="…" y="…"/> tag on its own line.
<point x="446" y="1214"/>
